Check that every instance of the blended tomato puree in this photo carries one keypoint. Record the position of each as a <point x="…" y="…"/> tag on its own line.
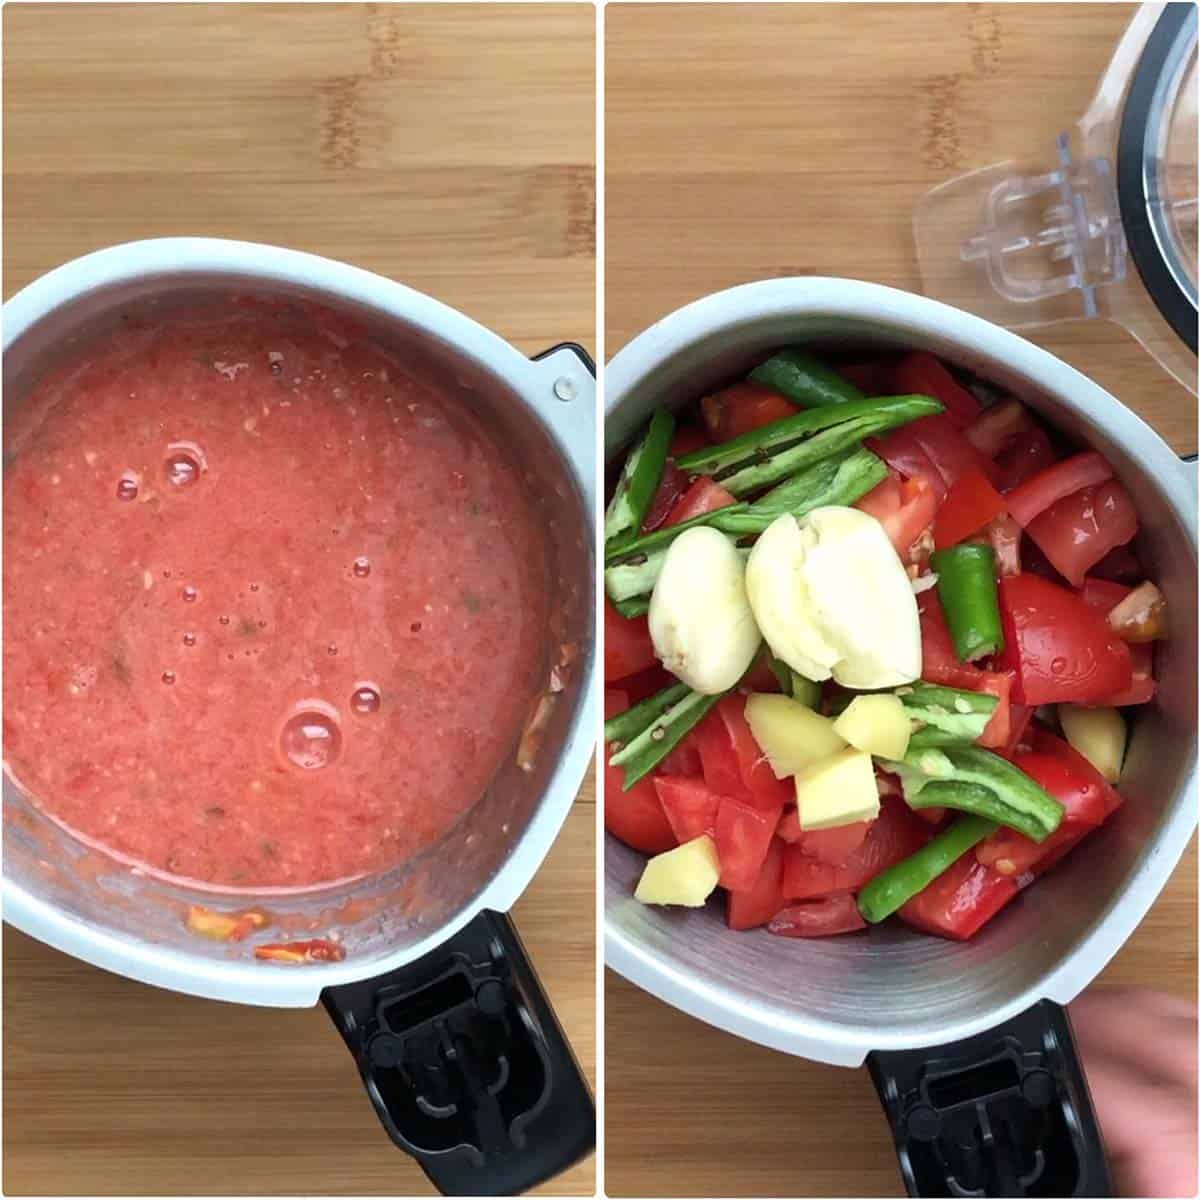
<point x="275" y="612"/>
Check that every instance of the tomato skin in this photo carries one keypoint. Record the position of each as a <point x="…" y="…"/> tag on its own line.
<point x="1077" y="531"/>
<point x="690" y="805"/>
<point x="627" y="645"/>
<point x="1040" y="491"/>
<point x="733" y="762"/>
<point x="703" y="496"/>
<point x="1058" y="648"/>
<point x="635" y="816"/>
<point x="750" y="907"/>
<point x="833" y="846"/>
<point x="970" y="504"/>
<point x="743" y="835"/>
<point x="674" y="481"/>
<point x="818" y="918"/>
<point x="903" y="507"/>
<point x="960" y="901"/>
<point x="894" y="835"/>
<point x="1022" y="457"/>
<point x="901" y="450"/>
<point x="741" y="408"/>
<point x="923" y="374"/>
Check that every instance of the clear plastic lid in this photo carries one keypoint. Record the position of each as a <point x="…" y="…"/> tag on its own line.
<point x="1102" y="224"/>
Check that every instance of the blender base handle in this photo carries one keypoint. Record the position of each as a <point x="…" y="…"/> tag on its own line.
<point x="1004" y="1113"/>
<point x="466" y="1065"/>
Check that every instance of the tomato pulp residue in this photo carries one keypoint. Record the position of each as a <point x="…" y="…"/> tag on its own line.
<point x="275" y="611"/>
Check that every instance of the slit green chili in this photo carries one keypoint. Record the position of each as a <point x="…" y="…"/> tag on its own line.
<point x="805" y="380"/>
<point x="639" y="481"/>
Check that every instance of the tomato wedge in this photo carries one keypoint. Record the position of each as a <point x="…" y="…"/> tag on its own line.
<point x="923" y="374"/>
<point x="732" y="761"/>
<point x="818" y="918"/>
<point x="970" y="504"/>
<point x="1059" y="649"/>
<point x="894" y="835"/>
<point x="690" y="804"/>
<point x="742" y="408"/>
<point x="627" y="645"/>
<point x="750" y="907"/>
<point x="903" y="507"/>
<point x="960" y="901"/>
<point x="635" y="816"/>
<point x="703" y="496"/>
<point x="1077" y="531"/>
<point x="901" y="450"/>
<point x="951" y="454"/>
<point x="833" y="846"/>
<point x="1036" y="494"/>
<point x="743" y="835"/>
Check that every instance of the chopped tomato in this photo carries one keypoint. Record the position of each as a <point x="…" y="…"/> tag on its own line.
<point x="1045" y="742"/>
<point x="1025" y="454"/>
<point x="901" y="450"/>
<point x="690" y="804"/>
<point x="970" y="504"/>
<point x="1084" y="793"/>
<point x="818" y="918"/>
<point x="939" y="664"/>
<point x="703" y="496"/>
<point x="1068" y="475"/>
<point x="742" y="408"/>
<point x="960" y="901"/>
<point x="873" y="378"/>
<point x="1120" y="563"/>
<point x="683" y="761"/>
<point x="674" y="482"/>
<point x="743" y="835"/>
<point x="833" y="846"/>
<point x="750" y="907"/>
<point x="646" y="683"/>
<point x="1077" y="531"/>
<point x="1103" y="594"/>
<point x="903" y="507"/>
<point x="627" y="645"/>
<point x="760" y="677"/>
<point x="1141" y="687"/>
<point x="923" y="374"/>
<point x="732" y="761"/>
<point x="895" y="835"/>
<point x="1059" y="648"/>
<point x="951" y="454"/>
<point x="634" y="816"/>
<point x="1019" y="717"/>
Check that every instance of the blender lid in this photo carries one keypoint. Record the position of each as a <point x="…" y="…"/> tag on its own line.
<point x="1106" y="227"/>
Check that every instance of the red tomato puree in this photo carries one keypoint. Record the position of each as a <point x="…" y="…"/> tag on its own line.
<point x="275" y="611"/>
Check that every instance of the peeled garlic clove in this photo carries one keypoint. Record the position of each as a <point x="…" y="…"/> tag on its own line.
<point x="700" y="619"/>
<point x="833" y="599"/>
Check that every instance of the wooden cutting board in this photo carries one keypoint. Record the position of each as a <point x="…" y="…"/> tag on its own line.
<point x="451" y="148"/>
<point x="750" y="141"/>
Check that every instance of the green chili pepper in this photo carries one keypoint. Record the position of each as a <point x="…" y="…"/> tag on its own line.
<point x="761" y="471"/>
<point x="967" y="589"/>
<point x="624" y="727"/>
<point x="839" y="479"/>
<point x="942" y="716"/>
<point x="973" y="780"/>
<point x="661" y="736"/>
<point x="795" y="374"/>
<point x="894" y="887"/>
<point x="639" y="481"/>
<point x="759" y="444"/>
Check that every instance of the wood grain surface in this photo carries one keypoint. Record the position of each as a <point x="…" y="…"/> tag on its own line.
<point x="750" y="141"/>
<point x="451" y="148"/>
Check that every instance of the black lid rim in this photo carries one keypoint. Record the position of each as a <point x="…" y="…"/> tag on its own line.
<point x="1172" y="301"/>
